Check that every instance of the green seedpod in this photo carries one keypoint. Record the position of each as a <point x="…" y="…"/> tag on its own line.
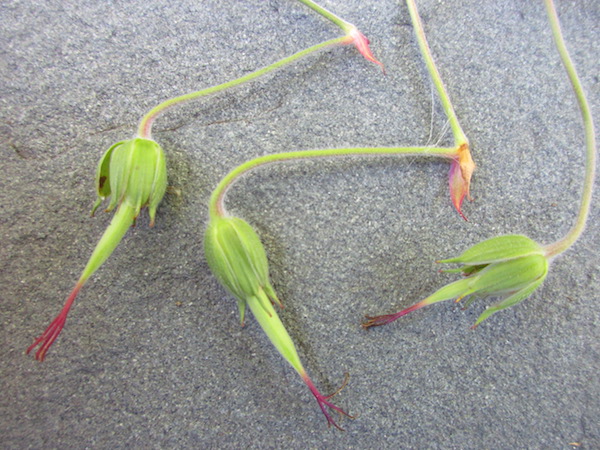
<point x="237" y="258"/>
<point x="501" y="248"/>
<point x="132" y="172"/>
<point x="510" y="267"/>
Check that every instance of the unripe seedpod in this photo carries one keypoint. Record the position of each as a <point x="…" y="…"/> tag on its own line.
<point x="237" y="258"/>
<point x="511" y="267"/>
<point x="133" y="172"/>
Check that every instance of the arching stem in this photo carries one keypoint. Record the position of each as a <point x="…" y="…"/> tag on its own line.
<point x="145" y="126"/>
<point x="459" y="136"/>
<point x="590" y="139"/>
<point x="216" y="207"/>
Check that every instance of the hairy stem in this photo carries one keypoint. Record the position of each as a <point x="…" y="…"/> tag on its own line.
<point x="590" y="163"/>
<point x="459" y="135"/>
<point x="345" y="26"/>
<point x="145" y="126"/>
<point x="216" y="207"/>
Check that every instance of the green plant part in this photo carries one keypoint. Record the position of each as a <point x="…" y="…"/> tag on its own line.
<point x="461" y="162"/>
<point x="353" y="35"/>
<point x="125" y="173"/>
<point x="462" y="165"/>
<point x="145" y="126"/>
<point x="512" y="267"/>
<point x="133" y="173"/>
<point x="218" y="196"/>
<point x="238" y="260"/>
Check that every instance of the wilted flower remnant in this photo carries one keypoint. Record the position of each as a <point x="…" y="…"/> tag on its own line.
<point x="353" y="35"/>
<point x="133" y="173"/>
<point x="459" y="179"/>
<point x="361" y="42"/>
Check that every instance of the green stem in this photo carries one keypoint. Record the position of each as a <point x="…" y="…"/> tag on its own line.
<point x="345" y="26"/>
<point x="590" y="163"/>
<point x="459" y="135"/>
<point x="145" y="126"/>
<point x="216" y="208"/>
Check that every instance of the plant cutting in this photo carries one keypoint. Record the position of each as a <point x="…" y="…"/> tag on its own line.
<point x="512" y="267"/>
<point x="133" y="173"/>
<point x="461" y="162"/>
<point x="237" y="258"/>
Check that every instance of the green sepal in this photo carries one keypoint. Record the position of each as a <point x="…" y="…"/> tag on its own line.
<point x="237" y="258"/>
<point x="466" y="270"/>
<point x="132" y="172"/>
<point x="242" y="310"/>
<point x="508" y="276"/>
<point x="159" y="184"/>
<point x="497" y="249"/>
<point x="272" y="294"/>
<point x="512" y="300"/>
<point x="103" y="177"/>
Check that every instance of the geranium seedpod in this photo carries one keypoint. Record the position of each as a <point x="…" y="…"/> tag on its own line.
<point x="133" y="173"/>
<point x="510" y="267"/>
<point x="237" y="258"/>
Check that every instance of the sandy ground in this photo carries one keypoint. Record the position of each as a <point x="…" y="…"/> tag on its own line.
<point x="153" y="356"/>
